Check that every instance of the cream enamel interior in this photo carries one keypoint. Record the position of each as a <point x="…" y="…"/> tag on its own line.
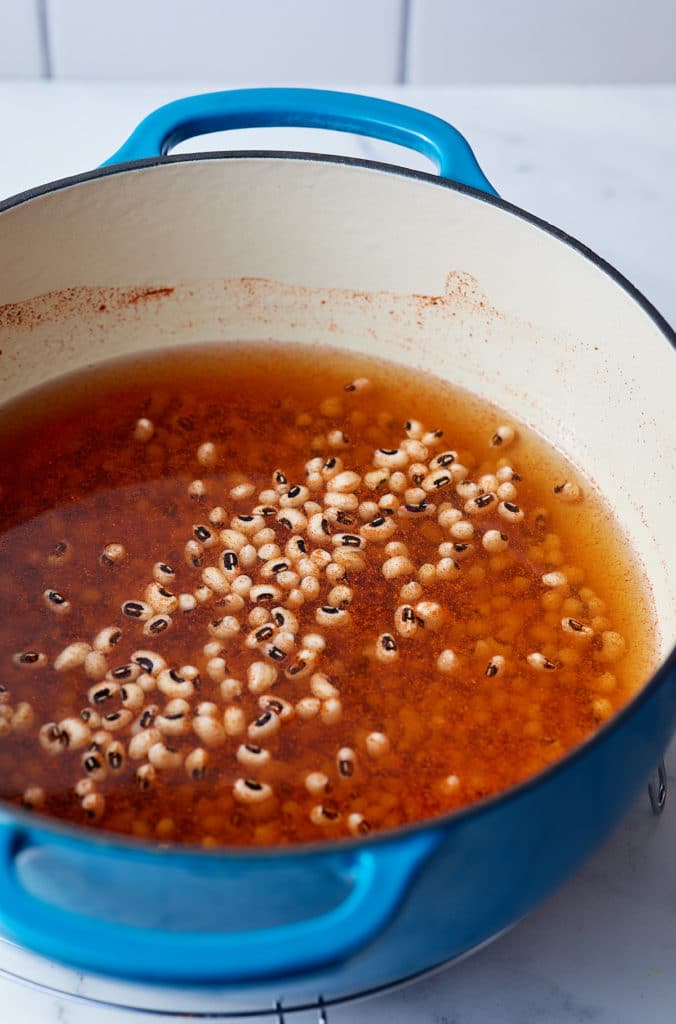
<point x="301" y="250"/>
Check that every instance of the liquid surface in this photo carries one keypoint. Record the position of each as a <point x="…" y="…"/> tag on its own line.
<point x="422" y="605"/>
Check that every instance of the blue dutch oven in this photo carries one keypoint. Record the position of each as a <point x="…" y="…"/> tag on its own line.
<point x="335" y="919"/>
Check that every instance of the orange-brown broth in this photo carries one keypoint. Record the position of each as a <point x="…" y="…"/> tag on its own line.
<point x="70" y="469"/>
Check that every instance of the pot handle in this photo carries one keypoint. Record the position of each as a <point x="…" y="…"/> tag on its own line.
<point x="306" y="108"/>
<point x="381" y="875"/>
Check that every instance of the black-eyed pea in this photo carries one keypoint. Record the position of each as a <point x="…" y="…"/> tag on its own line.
<point x="249" y="791"/>
<point x="417" y="511"/>
<point x="411" y="590"/>
<point x="114" y="721"/>
<point x="140" y="744"/>
<point x="613" y="647"/>
<point x="340" y="596"/>
<point x="575" y="629"/>
<point x="462" y="530"/>
<point x="391" y="459"/>
<point x="51" y="739"/>
<point x="496" y="666"/>
<point x="60" y="553"/>
<point x="432" y="438"/>
<point x="164" y="757"/>
<point x="437" y="481"/>
<point x="225" y="628"/>
<point x="376" y="479"/>
<point x="332" y="618"/>
<point x="75" y="733"/>
<point x="95" y="665"/>
<point x="351" y="561"/>
<point x="450" y="785"/>
<point x="175" y="719"/>
<point x="252" y="756"/>
<point x="149" y="662"/>
<point x="430" y="615"/>
<point x="447" y="662"/>
<point x="234" y="721"/>
<point x="72" y="656"/>
<point x="292" y="519"/>
<point x="248" y="525"/>
<point x="345" y="482"/>
<point x="30" y="659"/>
<point x="83" y="787"/>
<point x="510" y="512"/>
<point x="316" y="783"/>
<point x="218" y="517"/>
<point x="116" y="756"/>
<point x="405" y="621"/>
<point x="172" y="684"/>
<point x="132" y="695"/>
<point x="357" y="824"/>
<point x="307" y="708"/>
<point x="396" y="566"/>
<point x="216" y="669"/>
<point x="322" y="688"/>
<point x="33" y="798"/>
<point x="568" y="492"/>
<point x="386" y="649"/>
<point x="389" y="503"/>
<point x="207" y="454"/>
<point x="506" y="492"/>
<point x="266" y="594"/>
<point x="397" y="482"/>
<point x="91" y="718"/>
<point x="163" y="574"/>
<point x="324" y="816"/>
<point x="94" y="806"/>
<point x="448" y="569"/>
<point x="467" y="490"/>
<point x="302" y="665"/>
<point x="494" y="541"/>
<point x="444" y="459"/>
<point x="555" y="579"/>
<point x="196" y="763"/>
<point x="261" y="676"/>
<point x="540" y="663"/>
<point x="415" y="450"/>
<point x="23" y="717"/>
<point x="602" y="708"/>
<point x="197" y="490"/>
<point x="483" y="503"/>
<point x="377" y="744"/>
<point x="331" y="711"/>
<point x="503" y="436"/>
<point x="414" y="429"/>
<point x="259" y="616"/>
<point x="145" y="777"/>
<point x="605" y="683"/>
<point x="56" y="602"/>
<point x="263" y="727"/>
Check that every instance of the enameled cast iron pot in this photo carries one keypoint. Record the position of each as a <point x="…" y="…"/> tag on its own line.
<point x="435" y="273"/>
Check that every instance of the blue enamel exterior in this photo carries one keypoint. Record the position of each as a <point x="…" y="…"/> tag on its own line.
<point x="337" y="918"/>
<point x="306" y="108"/>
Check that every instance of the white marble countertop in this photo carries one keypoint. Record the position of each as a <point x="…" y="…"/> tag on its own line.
<point x="599" y="162"/>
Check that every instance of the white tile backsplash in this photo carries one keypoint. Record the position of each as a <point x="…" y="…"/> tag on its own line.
<point x="541" y="41"/>
<point x="21" y="52"/>
<point x="257" y="41"/>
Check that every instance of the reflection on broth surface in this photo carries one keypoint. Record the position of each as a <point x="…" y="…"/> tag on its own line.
<point x="268" y="594"/>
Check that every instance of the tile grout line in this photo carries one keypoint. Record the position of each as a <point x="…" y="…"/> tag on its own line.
<point x="43" y="34"/>
<point x="402" y="58"/>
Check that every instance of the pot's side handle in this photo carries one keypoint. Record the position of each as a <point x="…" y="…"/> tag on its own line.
<point x="381" y="875"/>
<point x="306" y="108"/>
